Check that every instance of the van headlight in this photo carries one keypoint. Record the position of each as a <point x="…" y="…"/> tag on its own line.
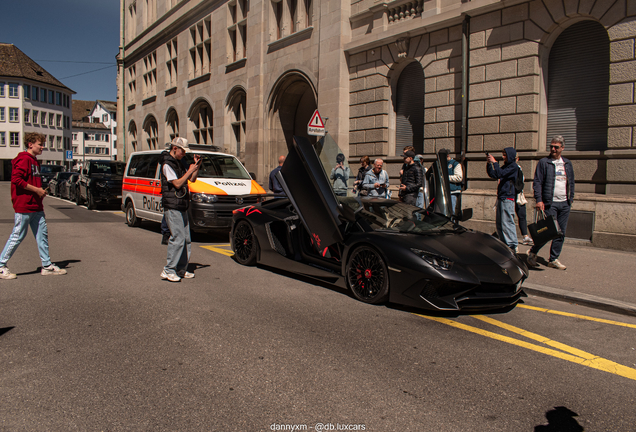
<point x="204" y="198"/>
<point x="439" y="262"/>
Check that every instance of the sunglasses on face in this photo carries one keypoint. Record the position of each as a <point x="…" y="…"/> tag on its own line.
<point x="555" y="146"/>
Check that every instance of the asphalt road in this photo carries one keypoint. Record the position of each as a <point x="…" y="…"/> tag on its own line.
<point x="112" y="347"/>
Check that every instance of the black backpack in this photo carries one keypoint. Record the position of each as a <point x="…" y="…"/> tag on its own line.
<point x="519" y="182"/>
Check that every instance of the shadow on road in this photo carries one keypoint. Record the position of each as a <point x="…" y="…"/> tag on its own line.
<point x="560" y="419"/>
<point x="5" y="330"/>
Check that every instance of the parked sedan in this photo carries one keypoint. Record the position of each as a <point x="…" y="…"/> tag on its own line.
<point x="382" y="250"/>
<point x="56" y="182"/>
<point x="67" y="187"/>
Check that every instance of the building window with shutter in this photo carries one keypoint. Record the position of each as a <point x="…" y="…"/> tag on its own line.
<point x="171" y="63"/>
<point x="578" y="87"/>
<point x="201" y="119"/>
<point x="150" y="76"/>
<point x="409" y="119"/>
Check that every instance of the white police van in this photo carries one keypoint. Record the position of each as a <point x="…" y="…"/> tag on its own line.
<point x="223" y="185"/>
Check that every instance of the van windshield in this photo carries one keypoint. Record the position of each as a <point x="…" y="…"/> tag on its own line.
<point x="219" y="166"/>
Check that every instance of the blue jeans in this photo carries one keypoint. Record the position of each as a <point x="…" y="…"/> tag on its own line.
<point x="561" y="212"/>
<point x="179" y="245"/>
<point x="506" y="228"/>
<point x="40" y="231"/>
<point x="420" y="199"/>
<point x="164" y="226"/>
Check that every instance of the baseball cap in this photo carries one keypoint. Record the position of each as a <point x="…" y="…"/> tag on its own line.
<point x="181" y="142"/>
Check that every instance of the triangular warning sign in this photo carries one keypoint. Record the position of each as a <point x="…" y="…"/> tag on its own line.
<point x="316" y="121"/>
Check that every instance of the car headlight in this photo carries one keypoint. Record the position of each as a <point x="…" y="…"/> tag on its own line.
<point x="439" y="262"/>
<point x="204" y="198"/>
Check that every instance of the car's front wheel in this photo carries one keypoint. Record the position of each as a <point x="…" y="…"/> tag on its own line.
<point x="245" y="244"/>
<point x="90" y="201"/>
<point x="367" y="276"/>
<point x="131" y="217"/>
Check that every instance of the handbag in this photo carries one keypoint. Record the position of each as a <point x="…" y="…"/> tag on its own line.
<point x="521" y="199"/>
<point x="544" y="229"/>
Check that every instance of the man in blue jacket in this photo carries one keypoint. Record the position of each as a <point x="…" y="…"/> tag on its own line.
<point x="506" y="195"/>
<point x="554" y="193"/>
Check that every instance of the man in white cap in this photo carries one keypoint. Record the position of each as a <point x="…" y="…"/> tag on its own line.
<point x="175" y="198"/>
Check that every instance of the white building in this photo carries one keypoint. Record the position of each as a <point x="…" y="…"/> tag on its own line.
<point x="105" y="112"/>
<point x="92" y="139"/>
<point x="31" y="100"/>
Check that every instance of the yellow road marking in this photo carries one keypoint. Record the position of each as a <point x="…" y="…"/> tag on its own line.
<point x="217" y="249"/>
<point x="567" y="314"/>
<point x="592" y="362"/>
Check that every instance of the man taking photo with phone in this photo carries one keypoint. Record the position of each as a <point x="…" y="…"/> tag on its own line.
<point x="175" y="198"/>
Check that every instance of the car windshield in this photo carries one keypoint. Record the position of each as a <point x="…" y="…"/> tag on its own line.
<point x="390" y="215"/>
<point x="48" y="169"/>
<point x="219" y="166"/>
<point x="108" y="168"/>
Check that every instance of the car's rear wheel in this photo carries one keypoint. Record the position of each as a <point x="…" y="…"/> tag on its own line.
<point x="131" y="217"/>
<point x="367" y="276"/>
<point x="245" y="244"/>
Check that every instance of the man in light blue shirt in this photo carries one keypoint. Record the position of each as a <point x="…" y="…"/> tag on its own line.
<point x="376" y="181"/>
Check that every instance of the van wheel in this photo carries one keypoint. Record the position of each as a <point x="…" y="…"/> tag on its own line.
<point x="131" y="217"/>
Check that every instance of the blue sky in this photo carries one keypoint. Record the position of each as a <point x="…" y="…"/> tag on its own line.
<point x="79" y="35"/>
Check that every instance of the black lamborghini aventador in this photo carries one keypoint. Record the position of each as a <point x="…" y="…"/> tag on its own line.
<point x="380" y="249"/>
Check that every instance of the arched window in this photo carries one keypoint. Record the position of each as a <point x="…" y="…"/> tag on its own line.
<point x="409" y="119"/>
<point x="237" y="120"/>
<point x="150" y="129"/>
<point x="132" y="135"/>
<point x="201" y="118"/>
<point x="578" y="87"/>
<point x="172" y="124"/>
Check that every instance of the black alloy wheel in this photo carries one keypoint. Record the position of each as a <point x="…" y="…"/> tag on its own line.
<point x="245" y="244"/>
<point x="367" y="276"/>
<point x="131" y="217"/>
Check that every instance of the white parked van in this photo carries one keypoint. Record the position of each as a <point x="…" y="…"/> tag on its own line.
<point x="223" y="185"/>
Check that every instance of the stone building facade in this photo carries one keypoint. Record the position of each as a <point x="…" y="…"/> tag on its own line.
<point x="391" y="74"/>
<point x="508" y="47"/>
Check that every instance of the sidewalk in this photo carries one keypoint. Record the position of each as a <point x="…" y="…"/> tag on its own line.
<point x="599" y="278"/>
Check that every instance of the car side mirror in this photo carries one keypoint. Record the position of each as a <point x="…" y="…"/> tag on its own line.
<point x="252" y="175"/>
<point x="466" y="214"/>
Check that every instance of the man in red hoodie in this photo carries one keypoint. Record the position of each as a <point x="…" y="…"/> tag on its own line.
<point x="26" y="196"/>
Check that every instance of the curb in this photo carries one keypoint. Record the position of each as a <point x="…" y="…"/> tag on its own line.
<point x="589" y="300"/>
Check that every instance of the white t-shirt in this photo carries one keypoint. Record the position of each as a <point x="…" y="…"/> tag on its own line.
<point x="169" y="173"/>
<point x="560" y="180"/>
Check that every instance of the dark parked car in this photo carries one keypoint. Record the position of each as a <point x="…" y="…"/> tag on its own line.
<point x="380" y="249"/>
<point x="55" y="184"/>
<point x="67" y="187"/>
<point x="100" y="182"/>
<point x="47" y="172"/>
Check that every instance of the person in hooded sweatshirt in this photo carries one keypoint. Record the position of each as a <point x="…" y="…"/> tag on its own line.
<point x="506" y="195"/>
<point x="27" y="195"/>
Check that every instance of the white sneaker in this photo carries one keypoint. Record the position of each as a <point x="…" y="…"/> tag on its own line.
<point x="170" y="276"/>
<point x="532" y="260"/>
<point x="52" y="270"/>
<point x="5" y="273"/>
<point x="556" y="264"/>
<point x="528" y="241"/>
<point x="185" y="274"/>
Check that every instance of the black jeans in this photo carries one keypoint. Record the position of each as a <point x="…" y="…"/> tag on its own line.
<point x="520" y="210"/>
<point x="561" y="211"/>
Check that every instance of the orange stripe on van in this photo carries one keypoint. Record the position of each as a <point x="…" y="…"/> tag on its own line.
<point x="149" y="190"/>
<point x="201" y="187"/>
<point x="256" y="188"/>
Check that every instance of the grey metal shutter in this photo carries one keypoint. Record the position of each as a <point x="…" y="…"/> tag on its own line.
<point x="409" y="122"/>
<point x="578" y="87"/>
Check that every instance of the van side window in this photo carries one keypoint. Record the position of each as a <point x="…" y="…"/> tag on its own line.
<point x="143" y="166"/>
